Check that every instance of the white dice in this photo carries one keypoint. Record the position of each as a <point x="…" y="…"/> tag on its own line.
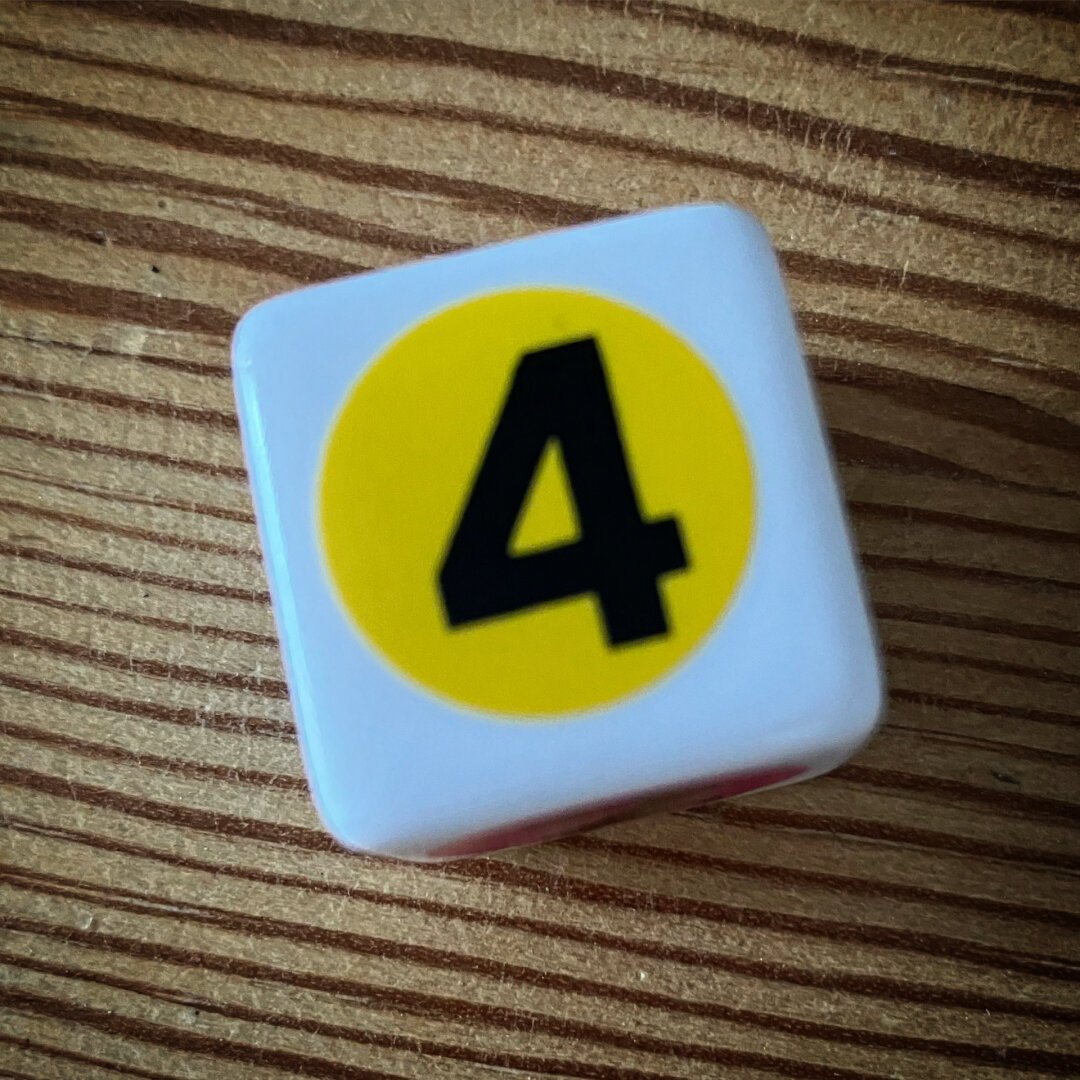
<point x="553" y="535"/>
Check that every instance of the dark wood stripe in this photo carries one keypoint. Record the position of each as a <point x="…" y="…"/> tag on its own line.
<point x="952" y="739"/>
<point x="875" y="333"/>
<point x="212" y="418"/>
<point x="840" y="883"/>
<point x="276" y="688"/>
<point x="936" y="568"/>
<point x="999" y="413"/>
<point x="187" y="367"/>
<point x="150" y="233"/>
<point x="1010" y="174"/>
<point x="147" y="577"/>
<point x="125" y="453"/>
<point x="588" y="892"/>
<point x="803" y="265"/>
<point x="249" y="637"/>
<point x="873" y="935"/>
<point x="158" y="906"/>
<point x="908" y="836"/>
<point x="1047" y="809"/>
<point x="830" y="980"/>
<point x="62" y="1054"/>
<point x="453" y="1010"/>
<point x="964" y="522"/>
<point x="851" y="448"/>
<point x="10" y="1075"/>
<point x="139" y="665"/>
<point x="224" y="633"/>
<point x="195" y="770"/>
<point x="111" y="495"/>
<point x="155" y="235"/>
<point x="874" y="561"/>
<point x="589" y="137"/>
<point x="1066" y="10"/>
<point x="985" y="708"/>
<point x="870" y="559"/>
<point x="984" y="623"/>
<point x="40" y="292"/>
<point x="131" y="532"/>
<point x="234" y="723"/>
<point x="554" y="211"/>
<point x="985" y="548"/>
<point x="180" y="1040"/>
<point x="523" y="1063"/>
<point x="985" y="663"/>
<point x="865" y="451"/>
<point x="179" y="815"/>
<point x="1033" y="806"/>
<point x="468" y="193"/>
<point x="1014" y="802"/>
<point x="246" y="201"/>
<point x="999" y="82"/>
<point x="902" y="613"/>
<point x="374" y="995"/>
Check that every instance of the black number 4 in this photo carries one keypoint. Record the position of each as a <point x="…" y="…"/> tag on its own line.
<point x="561" y="393"/>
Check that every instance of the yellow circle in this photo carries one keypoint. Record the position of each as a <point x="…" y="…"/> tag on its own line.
<point x="405" y="452"/>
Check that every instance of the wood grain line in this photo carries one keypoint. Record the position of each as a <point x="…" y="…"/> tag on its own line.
<point x="212" y="719"/>
<point x="111" y="495"/>
<point x="146" y="577"/>
<point x="172" y="363"/>
<point x="1024" y="177"/>
<point x="984" y="663"/>
<point x="42" y="291"/>
<point x="984" y="623"/>
<point x="906" y="835"/>
<point x="132" y="532"/>
<point x="224" y="633"/>
<point x="212" y="418"/>
<point x="336" y="225"/>
<point x="261" y="685"/>
<point x="374" y="995"/>
<point x="997" y="81"/>
<point x="155" y="234"/>
<point x="1049" y="9"/>
<point x="589" y="892"/>
<point x="182" y="1040"/>
<point x="63" y="1054"/>
<point x="143" y="232"/>
<point x="873" y="986"/>
<point x="125" y="453"/>
<point x="196" y="770"/>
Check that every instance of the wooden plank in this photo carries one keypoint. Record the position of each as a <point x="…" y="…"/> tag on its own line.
<point x="171" y="907"/>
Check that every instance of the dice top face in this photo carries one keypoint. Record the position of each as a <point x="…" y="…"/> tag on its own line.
<point x="521" y="517"/>
<point x="551" y="528"/>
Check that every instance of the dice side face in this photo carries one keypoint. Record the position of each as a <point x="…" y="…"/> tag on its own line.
<point x="476" y="662"/>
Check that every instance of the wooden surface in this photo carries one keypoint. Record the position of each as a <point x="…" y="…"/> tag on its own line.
<point x="171" y="907"/>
